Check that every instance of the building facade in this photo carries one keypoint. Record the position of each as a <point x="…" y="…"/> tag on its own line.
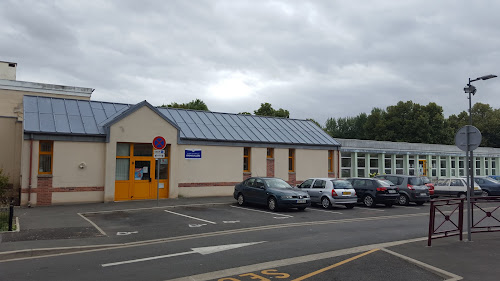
<point x="360" y="158"/>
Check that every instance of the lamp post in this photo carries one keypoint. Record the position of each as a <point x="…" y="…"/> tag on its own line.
<point x="470" y="89"/>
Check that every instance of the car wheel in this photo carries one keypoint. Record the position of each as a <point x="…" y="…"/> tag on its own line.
<point x="325" y="203"/>
<point x="272" y="204"/>
<point x="420" y="203"/>
<point x="368" y="201"/>
<point x="485" y="193"/>
<point x="403" y="200"/>
<point x="301" y="208"/>
<point x="241" y="199"/>
<point x="388" y="205"/>
<point x="462" y="195"/>
<point x="349" y="206"/>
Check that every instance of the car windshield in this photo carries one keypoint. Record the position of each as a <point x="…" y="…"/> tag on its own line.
<point x="341" y="184"/>
<point x="385" y="183"/>
<point x="277" y="183"/>
<point x="492" y="180"/>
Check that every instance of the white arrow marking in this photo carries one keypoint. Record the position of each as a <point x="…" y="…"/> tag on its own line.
<point x="197" y="225"/>
<point x="230" y="221"/>
<point x="126" y="232"/>
<point x="203" y="251"/>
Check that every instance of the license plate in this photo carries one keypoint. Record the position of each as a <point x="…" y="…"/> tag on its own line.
<point x="346" y="193"/>
<point x="392" y="191"/>
<point x="476" y="188"/>
<point x="423" y="194"/>
<point x="301" y="201"/>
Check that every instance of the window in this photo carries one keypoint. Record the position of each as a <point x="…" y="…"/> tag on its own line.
<point x="45" y="154"/>
<point x="270" y="153"/>
<point x="246" y="159"/>
<point x="373" y="163"/>
<point x="306" y="184"/>
<point x="330" y="161"/>
<point x="122" y="162"/>
<point x="291" y="160"/>
<point x="319" y="184"/>
<point x="345" y="164"/>
<point x="361" y="164"/>
<point x="399" y="164"/>
<point x="388" y="164"/>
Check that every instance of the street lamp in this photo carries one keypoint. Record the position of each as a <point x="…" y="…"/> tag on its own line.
<point x="470" y="89"/>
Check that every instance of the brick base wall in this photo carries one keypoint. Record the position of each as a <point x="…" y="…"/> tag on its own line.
<point x="44" y="190"/>
<point x="292" y="180"/>
<point x="270" y="167"/>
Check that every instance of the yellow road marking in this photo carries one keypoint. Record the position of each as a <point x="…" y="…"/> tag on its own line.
<point x="334" y="265"/>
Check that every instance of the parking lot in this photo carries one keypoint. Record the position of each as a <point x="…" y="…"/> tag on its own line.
<point x="146" y="223"/>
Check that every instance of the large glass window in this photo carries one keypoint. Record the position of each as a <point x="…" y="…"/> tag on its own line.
<point x="122" y="169"/>
<point x="412" y="166"/>
<point x="143" y="149"/>
<point x="345" y="165"/>
<point x="388" y="164"/>
<point x="442" y="165"/>
<point x="461" y="166"/>
<point x="45" y="155"/>
<point x="399" y="165"/>
<point x="361" y="164"/>
<point x="374" y="163"/>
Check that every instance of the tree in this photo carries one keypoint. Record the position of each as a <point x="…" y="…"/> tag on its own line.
<point x="266" y="109"/>
<point x="196" y="104"/>
<point x="314" y="121"/>
<point x="245" y="113"/>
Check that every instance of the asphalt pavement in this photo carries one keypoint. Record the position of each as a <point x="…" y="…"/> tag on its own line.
<point x="65" y="228"/>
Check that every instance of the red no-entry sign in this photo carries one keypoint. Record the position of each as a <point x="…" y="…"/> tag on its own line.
<point x="159" y="143"/>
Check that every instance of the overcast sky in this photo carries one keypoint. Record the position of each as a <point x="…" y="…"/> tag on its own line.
<point x="317" y="59"/>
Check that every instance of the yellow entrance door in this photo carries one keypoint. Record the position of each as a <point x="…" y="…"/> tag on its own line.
<point x="422" y="167"/>
<point x="142" y="179"/>
<point x="163" y="189"/>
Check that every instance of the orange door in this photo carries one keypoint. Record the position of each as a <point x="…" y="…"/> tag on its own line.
<point x="142" y="179"/>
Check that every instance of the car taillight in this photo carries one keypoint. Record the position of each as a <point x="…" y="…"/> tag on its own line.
<point x="381" y="188"/>
<point x="334" y="194"/>
<point x="410" y="187"/>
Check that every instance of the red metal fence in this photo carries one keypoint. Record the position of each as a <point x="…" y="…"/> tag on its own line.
<point x="447" y="216"/>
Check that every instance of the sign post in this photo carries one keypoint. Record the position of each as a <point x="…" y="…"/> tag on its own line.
<point x="159" y="144"/>
<point x="468" y="138"/>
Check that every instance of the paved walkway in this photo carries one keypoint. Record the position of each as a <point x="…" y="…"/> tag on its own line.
<point x="62" y="226"/>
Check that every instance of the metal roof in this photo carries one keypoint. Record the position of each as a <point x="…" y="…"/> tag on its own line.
<point x="45" y="115"/>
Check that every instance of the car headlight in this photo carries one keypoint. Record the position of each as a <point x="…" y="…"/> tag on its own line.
<point x="286" y="196"/>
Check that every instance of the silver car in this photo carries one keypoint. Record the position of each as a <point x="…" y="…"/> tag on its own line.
<point x="329" y="191"/>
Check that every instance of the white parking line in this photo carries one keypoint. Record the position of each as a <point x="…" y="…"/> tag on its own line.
<point x="371" y="209"/>
<point x="276" y="214"/>
<point x="189" y="217"/>
<point x="326" y="211"/>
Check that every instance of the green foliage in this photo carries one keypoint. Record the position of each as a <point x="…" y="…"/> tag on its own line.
<point x="196" y="104"/>
<point x="4" y="185"/>
<point x="372" y="175"/>
<point x="266" y="109"/>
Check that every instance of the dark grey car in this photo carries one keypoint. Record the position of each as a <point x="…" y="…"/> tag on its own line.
<point x="411" y="188"/>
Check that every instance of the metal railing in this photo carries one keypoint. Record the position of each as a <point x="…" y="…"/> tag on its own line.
<point x="453" y="221"/>
<point x="447" y="216"/>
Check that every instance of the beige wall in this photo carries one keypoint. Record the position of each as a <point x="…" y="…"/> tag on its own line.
<point x="76" y="197"/>
<point x="10" y="149"/>
<point x="142" y="126"/>
<point x="281" y="163"/>
<point x="6" y="71"/>
<point x="218" y="164"/>
<point x="310" y="163"/>
<point x="206" y="191"/>
<point x="67" y="158"/>
<point x="258" y="161"/>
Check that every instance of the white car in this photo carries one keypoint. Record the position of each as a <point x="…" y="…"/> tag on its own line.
<point x="456" y="187"/>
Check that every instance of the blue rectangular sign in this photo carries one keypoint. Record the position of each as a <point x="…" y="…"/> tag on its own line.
<point x="192" y="154"/>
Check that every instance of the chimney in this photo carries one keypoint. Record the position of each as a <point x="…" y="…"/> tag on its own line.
<point x="8" y="70"/>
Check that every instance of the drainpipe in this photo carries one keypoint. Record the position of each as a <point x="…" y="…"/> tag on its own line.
<point x="30" y="170"/>
<point x="338" y="163"/>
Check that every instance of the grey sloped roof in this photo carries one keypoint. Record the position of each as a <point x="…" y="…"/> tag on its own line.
<point x="45" y="115"/>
